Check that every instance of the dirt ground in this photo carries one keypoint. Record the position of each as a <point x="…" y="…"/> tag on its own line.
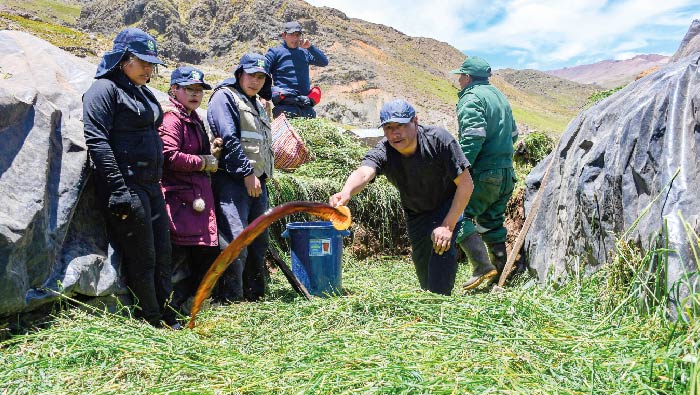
<point x="515" y="217"/>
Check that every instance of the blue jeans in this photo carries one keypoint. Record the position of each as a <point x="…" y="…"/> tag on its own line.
<point x="235" y="209"/>
<point x="436" y="273"/>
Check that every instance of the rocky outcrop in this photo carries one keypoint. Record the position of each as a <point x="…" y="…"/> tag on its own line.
<point x="690" y="43"/>
<point x="50" y="239"/>
<point x="615" y="161"/>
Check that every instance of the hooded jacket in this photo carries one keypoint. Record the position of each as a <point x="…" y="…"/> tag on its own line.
<point x="184" y="139"/>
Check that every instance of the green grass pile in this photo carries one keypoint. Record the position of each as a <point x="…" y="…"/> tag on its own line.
<point x="336" y="154"/>
<point x="600" y="95"/>
<point x="529" y="151"/>
<point x="383" y="336"/>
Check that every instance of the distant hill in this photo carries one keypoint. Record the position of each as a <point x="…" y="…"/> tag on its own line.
<point x="542" y="101"/>
<point x="369" y="63"/>
<point x="611" y="73"/>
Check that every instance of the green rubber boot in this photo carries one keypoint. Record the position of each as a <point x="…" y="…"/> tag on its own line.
<point x="475" y="249"/>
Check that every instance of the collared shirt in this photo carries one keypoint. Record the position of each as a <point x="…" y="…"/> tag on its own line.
<point x="425" y="180"/>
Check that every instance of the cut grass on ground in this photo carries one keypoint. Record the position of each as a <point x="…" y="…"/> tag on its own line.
<point x="384" y="336"/>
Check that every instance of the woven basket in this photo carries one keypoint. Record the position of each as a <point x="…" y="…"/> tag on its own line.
<point x="288" y="147"/>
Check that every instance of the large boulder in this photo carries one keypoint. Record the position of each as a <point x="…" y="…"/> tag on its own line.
<point x="690" y="43"/>
<point x="613" y="176"/>
<point x="50" y="239"/>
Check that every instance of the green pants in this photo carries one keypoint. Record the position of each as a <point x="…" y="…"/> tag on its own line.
<point x="486" y="209"/>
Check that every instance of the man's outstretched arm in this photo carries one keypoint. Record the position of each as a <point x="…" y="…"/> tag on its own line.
<point x="356" y="182"/>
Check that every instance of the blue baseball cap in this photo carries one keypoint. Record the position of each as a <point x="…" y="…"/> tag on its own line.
<point x="256" y="63"/>
<point x="253" y="63"/>
<point x="188" y="75"/>
<point x="292" y="27"/>
<point x="397" y="110"/>
<point x="130" y="40"/>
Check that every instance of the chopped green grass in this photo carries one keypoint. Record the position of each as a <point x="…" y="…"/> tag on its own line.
<point x="383" y="336"/>
<point x="336" y="154"/>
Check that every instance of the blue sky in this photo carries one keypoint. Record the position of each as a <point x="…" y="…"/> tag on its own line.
<point x="537" y="34"/>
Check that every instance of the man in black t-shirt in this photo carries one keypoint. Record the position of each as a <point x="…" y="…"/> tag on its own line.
<point x="428" y="168"/>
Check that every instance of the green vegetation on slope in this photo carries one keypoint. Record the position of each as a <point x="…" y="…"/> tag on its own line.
<point x="55" y="34"/>
<point x="64" y="12"/>
<point x="600" y="95"/>
<point x="538" y="112"/>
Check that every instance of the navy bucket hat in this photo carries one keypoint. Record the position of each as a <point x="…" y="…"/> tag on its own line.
<point x="399" y="111"/>
<point x="130" y="40"/>
<point x="256" y="63"/>
<point x="188" y="75"/>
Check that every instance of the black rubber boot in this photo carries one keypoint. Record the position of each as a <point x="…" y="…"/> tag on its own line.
<point x="497" y="255"/>
<point x="483" y="270"/>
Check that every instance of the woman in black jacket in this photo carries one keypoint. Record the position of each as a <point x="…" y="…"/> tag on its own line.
<point x="121" y="117"/>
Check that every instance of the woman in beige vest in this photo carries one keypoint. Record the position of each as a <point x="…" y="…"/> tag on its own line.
<point x="237" y="115"/>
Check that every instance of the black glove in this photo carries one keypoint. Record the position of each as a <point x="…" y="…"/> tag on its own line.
<point x="304" y="101"/>
<point x="120" y="204"/>
<point x="277" y="98"/>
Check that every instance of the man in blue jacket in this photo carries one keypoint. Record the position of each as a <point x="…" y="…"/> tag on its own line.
<point x="289" y="67"/>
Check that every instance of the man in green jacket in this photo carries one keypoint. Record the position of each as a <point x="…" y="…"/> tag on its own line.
<point x="487" y="132"/>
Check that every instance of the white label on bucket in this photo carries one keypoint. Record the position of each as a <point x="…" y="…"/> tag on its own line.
<point x="320" y="247"/>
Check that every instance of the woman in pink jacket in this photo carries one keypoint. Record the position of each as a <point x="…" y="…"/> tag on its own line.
<point x="189" y="158"/>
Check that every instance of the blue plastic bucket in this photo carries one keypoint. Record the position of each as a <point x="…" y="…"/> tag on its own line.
<point x="317" y="253"/>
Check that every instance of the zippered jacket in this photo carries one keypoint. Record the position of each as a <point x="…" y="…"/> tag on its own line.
<point x="487" y="130"/>
<point x="245" y="128"/>
<point x="184" y="140"/>
<point x="121" y="133"/>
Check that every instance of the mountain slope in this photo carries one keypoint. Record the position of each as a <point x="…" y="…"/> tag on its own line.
<point x="369" y="63"/>
<point x="542" y="101"/>
<point x="611" y="73"/>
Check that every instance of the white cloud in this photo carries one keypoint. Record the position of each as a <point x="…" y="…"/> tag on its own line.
<point x="625" y="55"/>
<point x="542" y="32"/>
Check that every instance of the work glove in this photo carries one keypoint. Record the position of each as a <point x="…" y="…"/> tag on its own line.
<point x="277" y="98"/>
<point x="120" y="204"/>
<point x="304" y="101"/>
<point x="217" y="145"/>
<point x="209" y="163"/>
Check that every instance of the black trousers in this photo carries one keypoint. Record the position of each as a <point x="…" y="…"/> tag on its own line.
<point x="192" y="262"/>
<point x="142" y="240"/>
<point x="436" y="273"/>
